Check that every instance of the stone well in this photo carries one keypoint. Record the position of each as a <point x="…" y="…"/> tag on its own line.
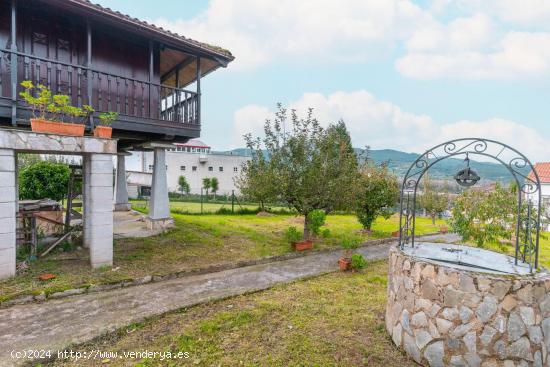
<point x="445" y="315"/>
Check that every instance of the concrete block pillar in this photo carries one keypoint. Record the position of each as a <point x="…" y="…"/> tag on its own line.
<point x="98" y="208"/>
<point x="121" y="189"/>
<point x="8" y="201"/>
<point x="159" y="207"/>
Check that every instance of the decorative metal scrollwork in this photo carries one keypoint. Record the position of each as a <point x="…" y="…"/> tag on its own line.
<point x="528" y="213"/>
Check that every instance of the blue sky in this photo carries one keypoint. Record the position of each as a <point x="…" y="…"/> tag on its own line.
<point x="403" y="74"/>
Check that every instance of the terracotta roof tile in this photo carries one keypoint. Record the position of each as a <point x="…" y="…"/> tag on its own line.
<point x="543" y="170"/>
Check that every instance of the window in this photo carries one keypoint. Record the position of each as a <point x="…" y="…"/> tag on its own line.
<point x="235" y="169"/>
<point x="221" y="169"/>
<point x="194" y="168"/>
<point x="182" y="168"/>
<point x="151" y="167"/>
<point x="210" y="168"/>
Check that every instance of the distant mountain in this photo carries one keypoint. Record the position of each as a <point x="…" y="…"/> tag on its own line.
<point x="399" y="162"/>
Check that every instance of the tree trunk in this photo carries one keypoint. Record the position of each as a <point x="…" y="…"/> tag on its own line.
<point x="306" y="227"/>
<point x="433" y="219"/>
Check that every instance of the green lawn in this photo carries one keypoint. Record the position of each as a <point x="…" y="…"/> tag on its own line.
<point x="197" y="242"/>
<point x="333" y="320"/>
<point x="207" y="207"/>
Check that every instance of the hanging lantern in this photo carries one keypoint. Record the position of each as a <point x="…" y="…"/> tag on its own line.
<point x="466" y="177"/>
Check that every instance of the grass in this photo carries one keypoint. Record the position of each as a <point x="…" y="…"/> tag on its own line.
<point x="197" y="242"/>
<point x="333" y="320"/>
<point x="207" y="207"/>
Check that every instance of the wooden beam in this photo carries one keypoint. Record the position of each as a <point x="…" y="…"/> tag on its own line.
<point x="13" y="49"/>
<point x="177" y="68"/>
<point x="89" y="71"/>
<point x="151" y="76"/>
<point x="199" y="90"/>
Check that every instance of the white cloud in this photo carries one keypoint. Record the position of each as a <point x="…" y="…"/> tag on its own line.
<point x="261" y="31"/>
<point x="382" y="124"/>
<point x="472" y="48"/>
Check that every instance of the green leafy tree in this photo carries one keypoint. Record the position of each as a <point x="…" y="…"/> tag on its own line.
<point x="434" y="202"/>
<point x="485" y="216"/>
<point x="378" y="191"/>
<point x="256" y="180"/>
<point x="206" y="184"/>
<point x="44" y="179"/>
<point x="183" y="185"/>
<point x="214" y="186"/>
<point x="312" y="168"/>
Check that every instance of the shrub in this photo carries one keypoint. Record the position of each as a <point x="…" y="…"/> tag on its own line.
<point x="358" y="262"/>
<point x="292" y="235"/>
<point x="325" y="233"/>
<point x="315" y="220"/>
<point x="44" y="179"/>
<point x="350" y="243"/>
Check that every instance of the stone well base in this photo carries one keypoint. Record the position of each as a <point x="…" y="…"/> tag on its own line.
<point x="442" y="316"/>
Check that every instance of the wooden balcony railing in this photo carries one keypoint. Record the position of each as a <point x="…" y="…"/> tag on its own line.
<point x="132" y="98"/>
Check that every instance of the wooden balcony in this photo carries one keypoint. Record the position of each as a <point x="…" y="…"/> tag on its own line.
<point x="143" y="106"/>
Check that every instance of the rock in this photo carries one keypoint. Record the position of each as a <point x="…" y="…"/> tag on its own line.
<point x="471" y="300"/>
<point x="408" y="283"/>
<point x="461" y="330"/>
<point x="546" y="331"/>
<point x="435" y="309"/>
<point x="450" y="313"/>
<point x="422" y="337"/>
<point x="429" y="290"/>
<point x="466" y="283"/>
<point x="457" y="361"/>
<point x="419" y="320"/>
<point x="487" y="335"/>
<point x="508" y="303"/>
<point x="473" y="359"/>
<point x="500" y="288"/>
<point x="405" y="322"/>
<point x="525" y="294"/>
<point x="428" y="272"/>
<point x="442" y="279"/>
<point x="40" y="297"/>
<point x="410" y="347"/>
<point x="516" y="328"/>
<point x="406" y="265"/>
<point x="527" y="315"/>
<point x="434" y="354"/>
<point x="499" y="323"/>
<point x="520" y="349"/>
<point x="499" y="348"/>
<point x="397" y="334"/>
<point x="454" y="344"/>
<point x="509" y="363"/>
<point x="443" y="325"/>
<point x="465" y="314"/>
<point x="490" y="363"/>
<point x="452" y="297"/>
<point x="535" y="334"/>
<point x="470" y="341"/>
<point x="433" y="329"/>
<point x="68" y="292"/>
<point x="538" y="359"/>
<point x="423" y="304"/>
<point x="545" y="306"/>
<point x="487" y="308"/>
<point x="483" y="284"/>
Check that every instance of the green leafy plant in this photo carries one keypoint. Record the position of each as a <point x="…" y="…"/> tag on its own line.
<point x="350" y="244"/>
<point x="107" y="118"/>
<point x="325" y="233"/>
<point x="435" y="203"/>
<point x="214" y="186"/>
<point x="292" y="235"/>
<point x="44" y="179"/>
<point x="316" y="219"/>
<point x="39" y="104"/>
<point x="183" y="185"/>
<point x="358" y="262"/>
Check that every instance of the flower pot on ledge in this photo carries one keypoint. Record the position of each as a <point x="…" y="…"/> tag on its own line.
<point x="443" y="229"/>
<point x="303" y="245"/>
<point x="56" y="127"/>
<point x="395" y="234"/>
<point x="344" y="263"/>
<point x="104" y="132"/>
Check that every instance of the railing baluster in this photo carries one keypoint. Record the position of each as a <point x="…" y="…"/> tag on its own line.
<point x="142" y="99"/>
<point x="70" y="84"/>
<point x="134" y="109"/>
<point x="49" y="75"/>
<point x="100" y="92"/>
<point x="126" y="97"/>
<point x="185" y="112"/>
<point x="79" y="86"/>
<point x="117" y="94"/>
<point x="26" y="68"/>
<point x="58" y="78"/>
<point x="108" y="93"/>
<point x="37" y="76"/>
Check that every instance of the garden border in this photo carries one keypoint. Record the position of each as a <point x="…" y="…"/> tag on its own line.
<point x="42" y="297"/>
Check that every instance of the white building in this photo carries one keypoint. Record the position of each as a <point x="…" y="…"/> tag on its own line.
<point x="194" y="160"/>
<point x="543" y="171"/>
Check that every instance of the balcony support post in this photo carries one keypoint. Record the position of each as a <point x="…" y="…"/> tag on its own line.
<point x="13" y="49"/>
<point x="89" y="73"/>
<point x="151" y="77"/>
<point x="199" y="73"/>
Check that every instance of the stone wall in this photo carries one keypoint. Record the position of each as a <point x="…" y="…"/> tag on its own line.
<point x="442" y="316"/>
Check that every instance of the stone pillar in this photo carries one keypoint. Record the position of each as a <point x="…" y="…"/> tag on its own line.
<point x="8" y="202"/>
<point x="159" y="208"/>
<point x="98" y="212"/>
<point x="121" y="190"/>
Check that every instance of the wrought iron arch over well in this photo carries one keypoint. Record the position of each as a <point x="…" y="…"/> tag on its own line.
<point x="528" y="220"/>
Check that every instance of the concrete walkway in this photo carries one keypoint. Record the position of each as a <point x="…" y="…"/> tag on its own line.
<point x="56" y="324"/>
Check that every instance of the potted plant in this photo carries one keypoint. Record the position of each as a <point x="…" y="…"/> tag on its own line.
<point x="395" y="234"/>
<point x="104" y="129"/>
<point x="294" y="237"/>
<point x="349" y="244"/>
<point x="50" y="111"/>
<point x="443" y="229"/>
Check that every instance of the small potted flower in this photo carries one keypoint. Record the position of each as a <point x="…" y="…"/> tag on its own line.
<point x="104" y="129"/>
<point x="294" y="237"/>
<point x="53" y="114"/>
<point x="349" y="244"/>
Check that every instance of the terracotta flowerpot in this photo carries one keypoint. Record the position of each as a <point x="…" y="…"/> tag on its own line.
<point x="443" y="229"/>
<point x="104" y="132"/>
<point x="56" y="127"/>
<point x="395" y="234"/>
<point x="344" y="263"/>
<point x="303" y="245"/>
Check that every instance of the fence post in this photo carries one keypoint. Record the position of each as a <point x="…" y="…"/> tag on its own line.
<point x="201" y="200"/>
<point x="232" y="201"/>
